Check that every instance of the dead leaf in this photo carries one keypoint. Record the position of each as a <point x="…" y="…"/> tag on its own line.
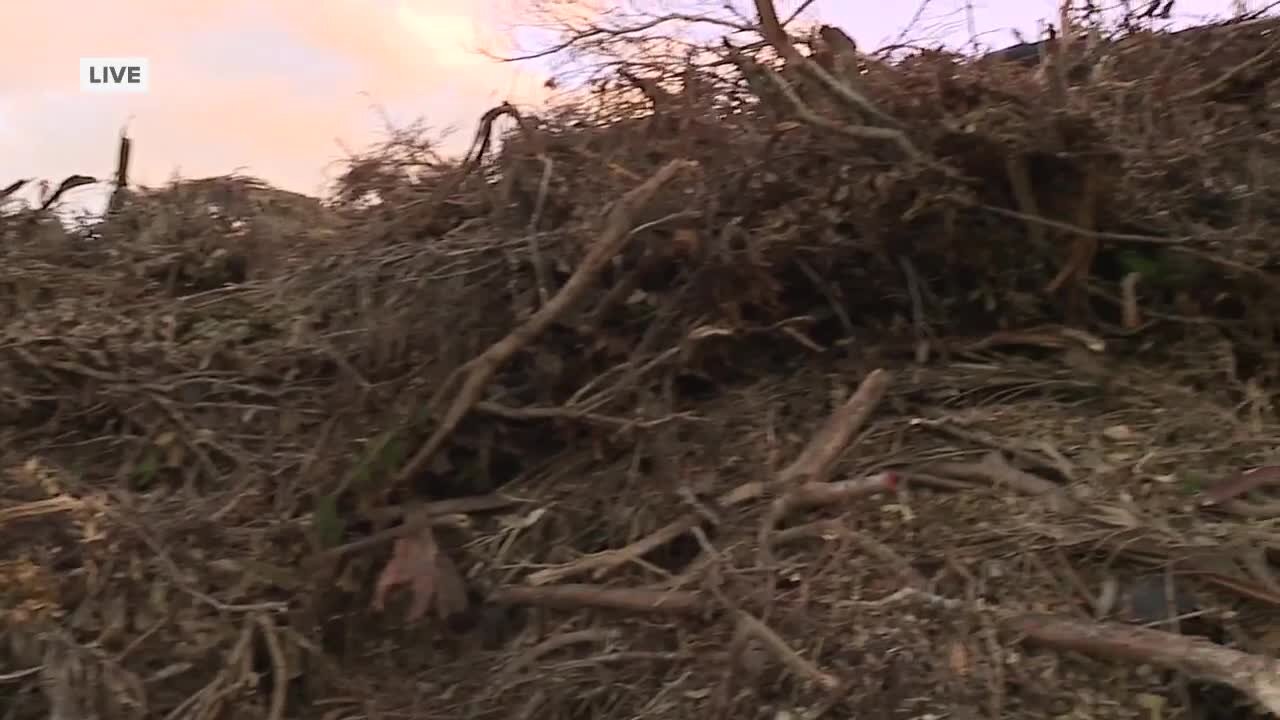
<point x="1118" y="433"/>
<point x="175" y="456"/>
<point x="413" y="563"/>
<point x="416" y="561"/>
<point x="1117" y="516"/>
<point x="958" y="659"/>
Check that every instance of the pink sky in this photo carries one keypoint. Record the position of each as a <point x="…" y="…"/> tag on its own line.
<point x="271" y="88"/>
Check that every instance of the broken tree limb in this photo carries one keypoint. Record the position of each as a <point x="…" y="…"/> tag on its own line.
<point x="602" y="563"/>
<point x="808" y="470"/>
<point x="1254" y="675"/>
<point x="806" y="475"/>
<point x="818" y="457"/>
<point x="794" y="661"/>
<point x="569" y="414"/>
<point x="576" y="597"/>
<point x="855" y="132"/>
<point x="773" y="32"/>
<point x="482" y="368"/>
<point x="119" y="193"/>
<point x="822" y="494"/>
<point x="995" y="469"/>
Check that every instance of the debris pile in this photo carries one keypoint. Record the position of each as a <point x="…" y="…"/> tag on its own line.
<point x="793" y="381"/>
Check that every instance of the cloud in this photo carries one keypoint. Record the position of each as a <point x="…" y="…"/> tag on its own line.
<point x="270" y="88"/>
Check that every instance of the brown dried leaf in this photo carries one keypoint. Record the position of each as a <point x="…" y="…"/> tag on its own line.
<point x="413" y="563"/>
<point x="958" y="659"/>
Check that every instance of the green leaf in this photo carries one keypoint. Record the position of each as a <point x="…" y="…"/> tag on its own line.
<point x="1149" y="268"/>
<point x="146" y="470"/>
<point x="329" y="527"/>
<point x="392" y="455"/>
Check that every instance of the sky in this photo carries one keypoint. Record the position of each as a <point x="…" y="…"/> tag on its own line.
<point x="283" y="89"/>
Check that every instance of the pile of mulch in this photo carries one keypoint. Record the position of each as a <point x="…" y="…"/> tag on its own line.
<point x="797" y="384"/>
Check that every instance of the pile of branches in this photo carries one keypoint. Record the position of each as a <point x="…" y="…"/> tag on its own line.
<point x="236" y="420"/>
